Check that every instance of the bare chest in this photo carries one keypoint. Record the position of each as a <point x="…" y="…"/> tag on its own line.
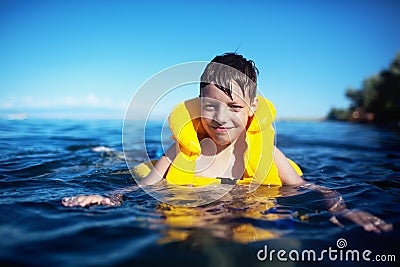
<point x="226" y="165"/>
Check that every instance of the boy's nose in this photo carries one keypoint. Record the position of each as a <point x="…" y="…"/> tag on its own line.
<point x="221" y="115"/>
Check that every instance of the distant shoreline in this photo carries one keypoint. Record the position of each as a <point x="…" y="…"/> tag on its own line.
<point x="313" y="119"/>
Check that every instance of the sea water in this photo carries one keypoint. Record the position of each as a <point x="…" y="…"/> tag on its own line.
<point x="43" y="161"/>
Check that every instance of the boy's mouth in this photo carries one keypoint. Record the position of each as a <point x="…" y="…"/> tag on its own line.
<point x="221" y="129"/>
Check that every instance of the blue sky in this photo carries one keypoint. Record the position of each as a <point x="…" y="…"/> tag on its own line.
<point x="86" y="59"/>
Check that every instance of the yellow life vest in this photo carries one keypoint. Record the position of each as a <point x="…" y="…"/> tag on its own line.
<point x="185" y="124"/>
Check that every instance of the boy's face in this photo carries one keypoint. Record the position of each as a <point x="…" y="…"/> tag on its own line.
<point x="225" y="119"/>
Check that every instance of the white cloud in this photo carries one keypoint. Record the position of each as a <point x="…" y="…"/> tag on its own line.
<point x="88" y="106"/>
<point x="88" y="101"/>
<point x="95" y="101"/>
<point x="7" y="104"/>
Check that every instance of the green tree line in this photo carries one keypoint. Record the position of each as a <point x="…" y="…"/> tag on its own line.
<point x="377" y="101"/>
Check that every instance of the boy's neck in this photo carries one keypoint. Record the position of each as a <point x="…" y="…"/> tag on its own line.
<point x="212" y="148"/>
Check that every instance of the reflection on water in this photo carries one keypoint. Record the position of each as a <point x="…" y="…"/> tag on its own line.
<point x="220" y="219"/>
<point x="43" y="161"/>
<point x="240" y="216"/>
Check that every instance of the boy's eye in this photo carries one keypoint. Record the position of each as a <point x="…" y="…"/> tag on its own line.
<point x="235" y="107"/>
<point x="208" y="106"/>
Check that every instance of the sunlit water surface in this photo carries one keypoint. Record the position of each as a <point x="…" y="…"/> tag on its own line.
<point x="43" y="161"/>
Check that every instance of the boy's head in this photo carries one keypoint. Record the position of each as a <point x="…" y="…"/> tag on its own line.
<point x="228" y="97"/>
<point x="224" y="69"/>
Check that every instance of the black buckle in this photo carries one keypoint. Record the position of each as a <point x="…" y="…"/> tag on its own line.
<point x="225" y="180"/>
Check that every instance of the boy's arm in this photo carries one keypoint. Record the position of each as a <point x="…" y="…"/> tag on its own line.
<point x="115" y="197"/>
<point x="161" y="167"/>
<point x="335" y="204"/>
<point x="333" y="200"/>
<point x="286" y="172"/>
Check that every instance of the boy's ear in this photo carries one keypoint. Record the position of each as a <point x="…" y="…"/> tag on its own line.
<point x="253" y="106"/>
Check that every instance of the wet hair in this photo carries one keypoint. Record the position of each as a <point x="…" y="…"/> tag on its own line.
<point x="223" y="69"/>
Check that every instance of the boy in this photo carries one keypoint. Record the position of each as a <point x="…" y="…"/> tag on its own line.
<point x="230" y="141"/>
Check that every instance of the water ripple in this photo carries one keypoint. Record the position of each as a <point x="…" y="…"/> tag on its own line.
<point x="54" y="159"/>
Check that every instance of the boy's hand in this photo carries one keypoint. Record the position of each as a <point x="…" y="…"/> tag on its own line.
<point x="365" y="219"/>
<point x="87" y="200"/>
